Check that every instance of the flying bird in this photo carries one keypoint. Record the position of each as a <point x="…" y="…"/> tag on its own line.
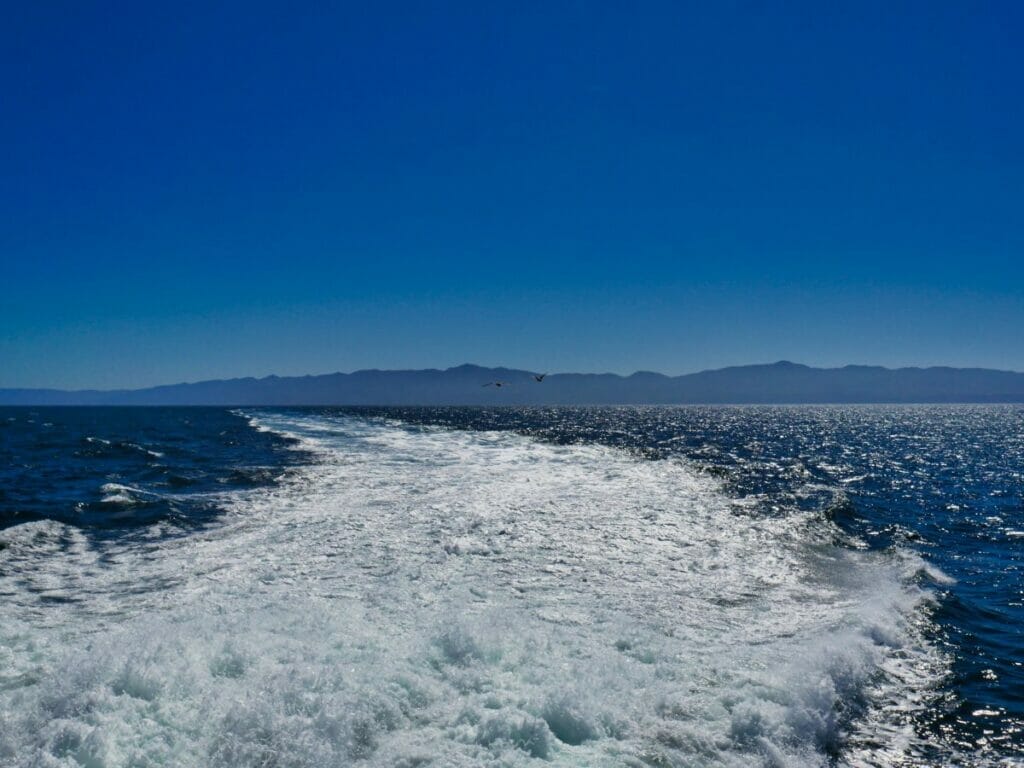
<point x="498" y="384"/>
<point x="539" y="376"/>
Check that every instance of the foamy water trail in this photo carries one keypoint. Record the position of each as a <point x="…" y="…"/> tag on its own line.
<point x="428" y="597"/>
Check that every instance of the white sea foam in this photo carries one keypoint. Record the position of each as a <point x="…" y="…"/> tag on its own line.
<point x="425" y="597"/>
<point x="120" y="495"/>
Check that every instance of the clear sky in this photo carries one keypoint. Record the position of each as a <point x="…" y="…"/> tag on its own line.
<point x="203" y="190"/>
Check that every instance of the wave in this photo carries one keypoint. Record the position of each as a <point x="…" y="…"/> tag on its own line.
<point x="417" y="596"/>
<point x="122" y="495"/>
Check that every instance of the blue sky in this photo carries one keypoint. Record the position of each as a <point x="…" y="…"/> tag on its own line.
<point x="198" y="192"/>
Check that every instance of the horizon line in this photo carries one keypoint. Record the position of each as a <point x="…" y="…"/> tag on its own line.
<point x="637" y="372"/>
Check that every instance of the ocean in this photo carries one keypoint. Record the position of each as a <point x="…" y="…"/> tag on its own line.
<point x="606" y="586"/>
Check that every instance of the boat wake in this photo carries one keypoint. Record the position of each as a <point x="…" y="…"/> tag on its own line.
<point x="419" y="596"/>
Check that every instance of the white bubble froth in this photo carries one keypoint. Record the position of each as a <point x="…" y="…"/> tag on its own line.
<point x="425" y="597"/>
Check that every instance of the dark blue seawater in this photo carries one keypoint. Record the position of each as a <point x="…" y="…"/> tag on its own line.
<point x="942" y="483"/>
<point x="116" y="469"/>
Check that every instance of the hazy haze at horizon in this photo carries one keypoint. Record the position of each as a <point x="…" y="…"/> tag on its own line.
<point x="197" y="193"/>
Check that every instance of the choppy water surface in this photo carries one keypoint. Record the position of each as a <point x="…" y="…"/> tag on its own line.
<point x="602" y="586"/>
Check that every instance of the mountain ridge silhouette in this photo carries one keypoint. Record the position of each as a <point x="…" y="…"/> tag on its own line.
<point x="782" y="382"/>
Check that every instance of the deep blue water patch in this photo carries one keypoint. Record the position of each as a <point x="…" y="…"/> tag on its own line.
<point x="107" y="470"/>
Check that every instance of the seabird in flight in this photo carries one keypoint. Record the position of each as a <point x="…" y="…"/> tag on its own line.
<point x="498" y="384"/>
<point x="539" y="376"/>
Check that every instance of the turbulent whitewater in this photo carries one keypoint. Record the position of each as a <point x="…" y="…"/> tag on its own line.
<point x="400" y="594"/>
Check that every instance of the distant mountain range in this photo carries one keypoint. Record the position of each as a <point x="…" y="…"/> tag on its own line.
<point x="781" y="382"/>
